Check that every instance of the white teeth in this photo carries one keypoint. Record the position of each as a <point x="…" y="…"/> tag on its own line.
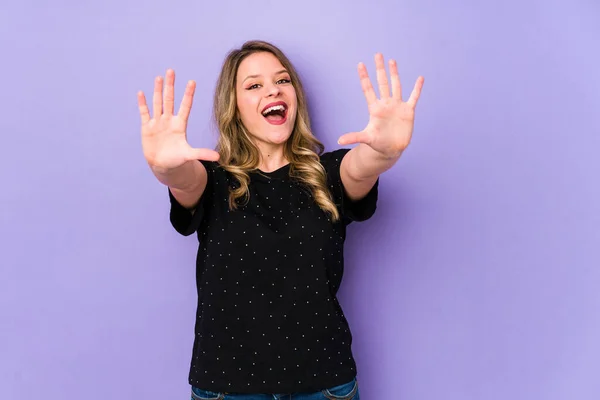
<point x="268" y="110"/>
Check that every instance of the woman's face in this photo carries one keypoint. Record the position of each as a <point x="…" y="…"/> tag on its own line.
<point x="266" y="99"/>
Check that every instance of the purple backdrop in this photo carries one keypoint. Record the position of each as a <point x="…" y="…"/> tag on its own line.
<point x="477" y="278"/>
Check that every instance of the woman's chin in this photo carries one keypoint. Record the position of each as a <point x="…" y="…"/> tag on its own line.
<point x="274" y="134"/>
<point x="279" y="139"/>
<point x="278" y="136"/>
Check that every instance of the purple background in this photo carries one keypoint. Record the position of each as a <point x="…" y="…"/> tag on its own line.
<point x="478" y="278"/>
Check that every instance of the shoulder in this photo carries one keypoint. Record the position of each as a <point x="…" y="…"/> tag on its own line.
<point x="218" y="178"/>
<point x="215" y="171"/>
<point x="333" y="158"/>
<point x="211" y="166"/>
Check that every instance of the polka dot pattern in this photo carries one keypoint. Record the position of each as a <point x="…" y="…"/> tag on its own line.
<point x="268" y="319"/>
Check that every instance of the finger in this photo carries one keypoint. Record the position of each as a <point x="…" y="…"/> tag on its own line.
<point x="366" y="85"/>
<point x="203" y="154"/>
<point x="186" y="102"/>
<point x="384" y="87"/>
<point x="157" y="97"/>
<point x="353" y="137"/>
<point x="143" y="107"/>
<point x="169" y="92"/>
<point x="416" y="93"/>
<point x="395" y="77"/>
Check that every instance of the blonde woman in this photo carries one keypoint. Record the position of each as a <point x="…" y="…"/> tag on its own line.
<point x="270" y="210"/>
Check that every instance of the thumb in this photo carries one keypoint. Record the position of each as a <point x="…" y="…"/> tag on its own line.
<point x="353" y="137"/>
<point x="202" y="154"/>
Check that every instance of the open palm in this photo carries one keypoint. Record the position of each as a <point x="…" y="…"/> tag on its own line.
<point x="391" y="120"/>
<point x="164" y="138"/>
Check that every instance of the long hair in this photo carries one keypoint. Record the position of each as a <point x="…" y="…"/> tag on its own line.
<point x="239" y="155"/>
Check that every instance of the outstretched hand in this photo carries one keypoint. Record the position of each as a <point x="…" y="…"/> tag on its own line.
<point x="391" y="121"/>
<point x="164" y="138"/>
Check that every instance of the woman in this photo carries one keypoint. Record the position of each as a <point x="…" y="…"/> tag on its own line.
<point x="270" y="211"/>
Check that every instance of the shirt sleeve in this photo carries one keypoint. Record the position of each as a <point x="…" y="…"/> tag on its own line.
<point x="183" y="220"/>
<point x="360" y="210"/>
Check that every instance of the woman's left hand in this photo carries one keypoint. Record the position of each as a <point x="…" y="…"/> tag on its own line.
<point x="391" y="121"/>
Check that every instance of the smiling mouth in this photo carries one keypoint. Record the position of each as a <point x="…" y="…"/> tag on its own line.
<point x="276" y="114"/>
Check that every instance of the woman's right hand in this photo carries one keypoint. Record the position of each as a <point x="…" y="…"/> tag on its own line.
<point x="164" y="140"/>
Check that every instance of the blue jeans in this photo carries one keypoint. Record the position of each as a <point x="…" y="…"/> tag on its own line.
<point x="347" y="391"/>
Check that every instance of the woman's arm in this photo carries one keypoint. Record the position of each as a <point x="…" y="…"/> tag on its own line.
<point x="387" y="134"/>
<point x="360" y="169"/>
<point x="186" y="182"/>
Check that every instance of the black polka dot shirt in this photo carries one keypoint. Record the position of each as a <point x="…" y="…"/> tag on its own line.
<point x="268" y="319"/>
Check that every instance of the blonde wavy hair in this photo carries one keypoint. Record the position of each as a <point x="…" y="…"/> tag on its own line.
<point x="239" y="155"/>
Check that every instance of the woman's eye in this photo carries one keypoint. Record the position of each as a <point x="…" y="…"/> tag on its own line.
<point x="257" y="85"/>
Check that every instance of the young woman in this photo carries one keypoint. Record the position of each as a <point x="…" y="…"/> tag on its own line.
<point x="270" y="211"/>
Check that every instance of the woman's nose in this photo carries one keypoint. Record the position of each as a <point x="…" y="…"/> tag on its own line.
<point x="272" y="90"/>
